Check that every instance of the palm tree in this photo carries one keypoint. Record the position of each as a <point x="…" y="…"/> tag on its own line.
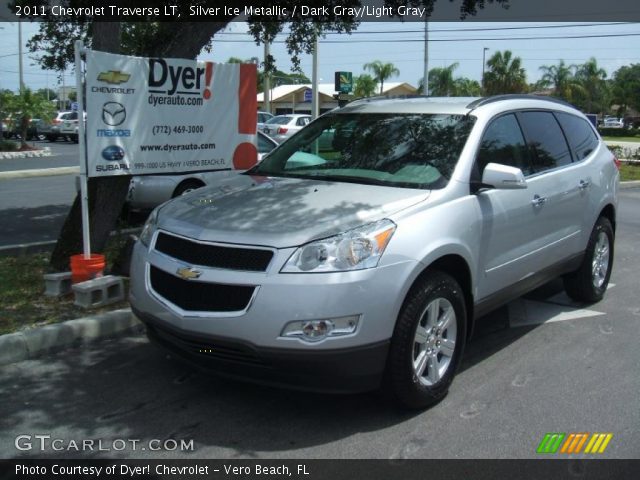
<point x="365" y="86"/>
<point x="594" y="94"/>
<point x="26" y="106"/>
<point x="465" y="87"/>
<point x="561" y="77"/>
<point x="441" y="82"/>
<point x="382" y="71"/>
<point x="505" y="74"/>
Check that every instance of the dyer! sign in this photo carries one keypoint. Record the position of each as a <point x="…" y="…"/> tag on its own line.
<point x="161" y="115"/>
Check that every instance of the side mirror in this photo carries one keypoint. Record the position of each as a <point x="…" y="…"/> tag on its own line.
<point x="503" y="177"/>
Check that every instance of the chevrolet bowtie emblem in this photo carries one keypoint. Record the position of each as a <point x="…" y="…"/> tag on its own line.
<point x="113" y="76"/>
<point x="188" y="273"/>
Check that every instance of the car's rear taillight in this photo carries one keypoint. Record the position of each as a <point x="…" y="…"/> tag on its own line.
<point x="55" y="121"/>
<point x="617" y="162"/>
<point x="282" y="130"/>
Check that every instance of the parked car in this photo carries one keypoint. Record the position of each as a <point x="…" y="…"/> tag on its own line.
<point x="149" y="191"/>
<point x="613" y="123"/>
<point x="12" y="128"/>
<point x="54" y="129"/>
<point x="368" y="265"/>
<point x="69" y="127"/>
<point x="263" y="117"/>
<point x="282" y="127"/>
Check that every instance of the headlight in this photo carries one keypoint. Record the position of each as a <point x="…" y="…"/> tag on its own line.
<point x="356" y="249"/>
<point x="149" y="228"/>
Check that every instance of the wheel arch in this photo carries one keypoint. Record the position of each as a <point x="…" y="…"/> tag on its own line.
<point x="609" y="212"/>
<point x="187" y="181"/>
<point x="457" y="266"/>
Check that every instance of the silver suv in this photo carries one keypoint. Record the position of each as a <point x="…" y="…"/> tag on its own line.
<point x="363" y="260"/>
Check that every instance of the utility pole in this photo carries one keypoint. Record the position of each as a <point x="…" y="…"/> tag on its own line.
<point x="484" y="51"/>
<point x="425" y="82"/>
<point x="266" y="88"/>
<point x="20" y="56"/>
<point x="315" y="110"/>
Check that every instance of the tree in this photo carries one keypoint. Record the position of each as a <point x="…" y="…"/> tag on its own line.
<point x="57" y="34"/>
<point x="505" y="74"/>
<point x="625" y="88"/>
<point x="381" y="72"/>
<point x="365" y="86"/>
<point x="561" y="78"/>
<point x="47" y="93"/>
<point x="441" y="82"/>
<point x="465" y="87"/>
<point x="25" y="106"/>
<point x="593" y="96"/>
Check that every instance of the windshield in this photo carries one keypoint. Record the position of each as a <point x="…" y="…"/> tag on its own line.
<point x="401" y="150"/>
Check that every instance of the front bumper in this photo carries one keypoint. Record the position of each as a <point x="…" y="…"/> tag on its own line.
<point x="349" y="370"/>
<point x="249" y="344"/>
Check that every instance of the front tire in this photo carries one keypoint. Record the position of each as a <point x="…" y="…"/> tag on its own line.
<point x="428" y="341"/>
<point x="187" y="186"/>
<point x="589" y="283"/>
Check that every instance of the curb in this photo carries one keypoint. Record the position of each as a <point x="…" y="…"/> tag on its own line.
<point x="39" y="172"/>
<point x="629" y="184"/>
<point x="43" y="152"/>
<point x="29" y="344"/>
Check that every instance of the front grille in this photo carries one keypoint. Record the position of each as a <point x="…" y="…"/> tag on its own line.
<point x="207" y="255"/>
<point x="200" y="296"/>
<point x="214" y="350"/>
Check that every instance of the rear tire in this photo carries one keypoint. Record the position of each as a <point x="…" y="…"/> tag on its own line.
<point x="427" y="343"/>
<point x="589" y="283"/>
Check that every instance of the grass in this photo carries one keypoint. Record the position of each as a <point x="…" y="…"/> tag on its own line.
<point x="629" y="171"/>
<point x="621" y="139"/>
<point x="22" y="301"/>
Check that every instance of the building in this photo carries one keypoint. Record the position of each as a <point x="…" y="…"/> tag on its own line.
<point x="297" y="98"/>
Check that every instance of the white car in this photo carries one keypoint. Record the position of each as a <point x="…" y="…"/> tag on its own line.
<point x="282" y="127"/>
<point x="149" y="191"/>
<point x="613" y="123"/>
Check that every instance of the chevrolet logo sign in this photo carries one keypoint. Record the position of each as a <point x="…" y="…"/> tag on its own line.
<point x="188" y="273"/>
<point x="113" y="76"/>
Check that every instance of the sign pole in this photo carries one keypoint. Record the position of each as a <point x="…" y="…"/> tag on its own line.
<point x="84" y="191"/>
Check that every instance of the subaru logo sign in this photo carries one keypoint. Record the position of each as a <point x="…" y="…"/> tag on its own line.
<point x="113" y="153"/>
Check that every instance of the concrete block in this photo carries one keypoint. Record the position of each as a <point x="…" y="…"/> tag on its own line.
<point x="99" y="291"/>
<point x="57" y="284"/>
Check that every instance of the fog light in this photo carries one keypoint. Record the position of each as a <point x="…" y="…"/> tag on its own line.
<point x="316" y="330"/>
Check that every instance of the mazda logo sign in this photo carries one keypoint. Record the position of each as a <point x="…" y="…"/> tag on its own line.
<point x="113" y="114"/>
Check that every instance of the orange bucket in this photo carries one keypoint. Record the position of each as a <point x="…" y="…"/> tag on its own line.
<point x="83" y="269"/>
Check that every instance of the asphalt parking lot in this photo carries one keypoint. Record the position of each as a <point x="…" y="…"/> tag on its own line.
<point x="541" y="364"/>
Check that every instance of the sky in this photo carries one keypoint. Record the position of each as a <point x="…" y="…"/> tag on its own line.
<point x="612" y="44"/>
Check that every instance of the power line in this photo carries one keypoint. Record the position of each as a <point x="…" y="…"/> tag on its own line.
<point x="458" y="30"/>
<point x="414" y="40"/>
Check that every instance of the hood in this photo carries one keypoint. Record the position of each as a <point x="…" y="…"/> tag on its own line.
<point x="280" y="212"/>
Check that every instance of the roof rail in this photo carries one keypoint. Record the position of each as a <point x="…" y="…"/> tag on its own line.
<point x="515" y="96"/>
<point x="390" y="97"/>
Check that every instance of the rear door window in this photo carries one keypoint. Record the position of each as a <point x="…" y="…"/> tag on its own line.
<point x="581" y="136"/>
<point x="546" y="141"/>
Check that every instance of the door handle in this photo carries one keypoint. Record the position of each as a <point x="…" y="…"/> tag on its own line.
<point x="538" y="201"/>
<point x="584" y="184"/>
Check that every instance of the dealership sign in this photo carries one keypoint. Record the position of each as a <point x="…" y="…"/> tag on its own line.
<point x="160" y="115"/>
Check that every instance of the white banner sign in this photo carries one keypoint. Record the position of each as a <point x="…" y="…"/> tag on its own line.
<point x="161" y="115"/>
